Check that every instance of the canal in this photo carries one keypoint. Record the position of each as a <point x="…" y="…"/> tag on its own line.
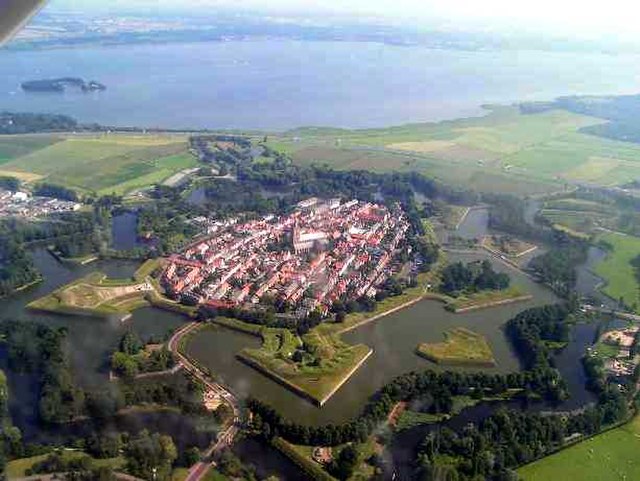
<point x="393" y="339"/>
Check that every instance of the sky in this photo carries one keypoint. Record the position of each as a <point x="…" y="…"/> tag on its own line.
<point x="611" y="19"/>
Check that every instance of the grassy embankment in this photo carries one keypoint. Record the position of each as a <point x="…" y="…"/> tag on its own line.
<point x="504" y="151"/>
<point x="578" y="217"/>
<point x="616" y="270"/>
<point x="327" y="362"/>
<point x="461" y="347"/>
<point x="607" y="456"/>
<point x="101" y="163"/>
<point x="18" y="467"/>
<point x="98" y="296"/>
<point x="302" y="457"/>
<point x="507" y="246"/>
<point x="488" y="298"/>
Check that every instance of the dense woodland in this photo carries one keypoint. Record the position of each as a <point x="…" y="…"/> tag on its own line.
<point x="25" y="123"/>
<point x="557" y="267"/>
<point x="130" y="358"/>
<point x="45" y="189"/>
<point x="37" y="349"/>
<point x="16" y="267"/>
<point x="42" y="352"/>
<point x="475" y="276"/>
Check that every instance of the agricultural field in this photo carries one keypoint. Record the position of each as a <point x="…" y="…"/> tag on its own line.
<point x="460" y="347"/>
<point x="14" y="146"/>
<point x="315" y="372"/>
<point x="616" y="270"/>
<point x="611" y="455"/>
<point x="105" y="164"/>
<point x="579" y="216"/>
<point x="505" y="151"/>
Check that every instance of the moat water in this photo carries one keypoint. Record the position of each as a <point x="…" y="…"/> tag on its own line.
<point x="393" y="339"/>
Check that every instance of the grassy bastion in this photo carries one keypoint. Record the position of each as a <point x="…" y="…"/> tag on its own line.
<point x="461" y="347"/>
<point x="313" y="366"/>
<point x="96" y="295"/>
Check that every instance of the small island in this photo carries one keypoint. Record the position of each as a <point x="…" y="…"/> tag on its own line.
<point x="62" y="84"/>
<point x="461" y="347"/>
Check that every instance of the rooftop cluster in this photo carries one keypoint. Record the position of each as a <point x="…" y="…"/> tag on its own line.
<point x="322" y="252"/>
<point x="25" y="205"/>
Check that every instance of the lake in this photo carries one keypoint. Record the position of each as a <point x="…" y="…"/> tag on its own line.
<point x="271" y="84"/>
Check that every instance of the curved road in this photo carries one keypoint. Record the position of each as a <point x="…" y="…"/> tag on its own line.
<point x="225" y="438"/>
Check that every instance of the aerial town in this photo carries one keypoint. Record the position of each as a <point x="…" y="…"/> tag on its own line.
<point x="23" y="204"/>
<point x="321" y="252"/>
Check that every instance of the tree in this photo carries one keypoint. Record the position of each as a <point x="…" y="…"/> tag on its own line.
<point x="342" y="467"/>
<point x="130" y="343"/>
<point x="124" y="365"/>
<point x="150" y="455"/>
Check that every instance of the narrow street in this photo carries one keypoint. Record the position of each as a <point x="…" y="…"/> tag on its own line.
<point x="226" y="437"/>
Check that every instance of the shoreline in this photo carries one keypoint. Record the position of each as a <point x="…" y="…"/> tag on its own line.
<point x="488" y="304"/>
<point x="404" y="305"/>
<point x="296" y="389"/>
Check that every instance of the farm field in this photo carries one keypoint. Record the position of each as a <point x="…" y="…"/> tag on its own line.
<point x="608" y="456"/>
<point x="505" y="151"/>
<point x="105" y="164"/>
<point x="14" y="146"/>
<point x="616" y="270"/>
<point x="461" y="346"/>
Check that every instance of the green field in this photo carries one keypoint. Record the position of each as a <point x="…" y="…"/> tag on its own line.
<point x="107" y="163"/>
<point x="609" y="456"/>
<point x="460" y="347"/>
<point x="14" y="146"/>
<point x="616" y="270"/>
<point x="504" y="151"/>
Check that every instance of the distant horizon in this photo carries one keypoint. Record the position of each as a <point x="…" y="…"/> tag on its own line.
<point x="573" y="20"/>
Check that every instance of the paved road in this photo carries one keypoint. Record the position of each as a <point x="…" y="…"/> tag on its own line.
<point x="226" y="437"/>
<point x="621" y="314"/>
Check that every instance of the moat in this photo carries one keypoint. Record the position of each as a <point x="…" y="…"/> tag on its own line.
<point x="393" y="339"/>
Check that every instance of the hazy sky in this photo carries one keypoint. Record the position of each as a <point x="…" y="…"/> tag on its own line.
<point x="591" y="18"/>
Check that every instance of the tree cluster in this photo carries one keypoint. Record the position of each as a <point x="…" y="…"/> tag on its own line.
<point x="472" y="277"/>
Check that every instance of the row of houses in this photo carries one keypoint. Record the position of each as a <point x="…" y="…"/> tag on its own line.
<point x="321" y="252"/>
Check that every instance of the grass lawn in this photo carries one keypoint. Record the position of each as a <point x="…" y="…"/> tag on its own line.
<point x="101" y="163"/>
<point x="460" y="347"/>
<point x="409" y="419"/>
<point x="504" y="151"/>
<point x="487" y="298"/>
<point x="17" y="467"/>
<point x="609" y="456"/>
<point x="605" y="351"/>
<point x="179" y="474"/>
<point x="617" y="271"/>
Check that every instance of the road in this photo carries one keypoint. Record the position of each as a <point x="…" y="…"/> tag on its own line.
<point x="605" y="310"/>
<point x="226" y="437"/>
